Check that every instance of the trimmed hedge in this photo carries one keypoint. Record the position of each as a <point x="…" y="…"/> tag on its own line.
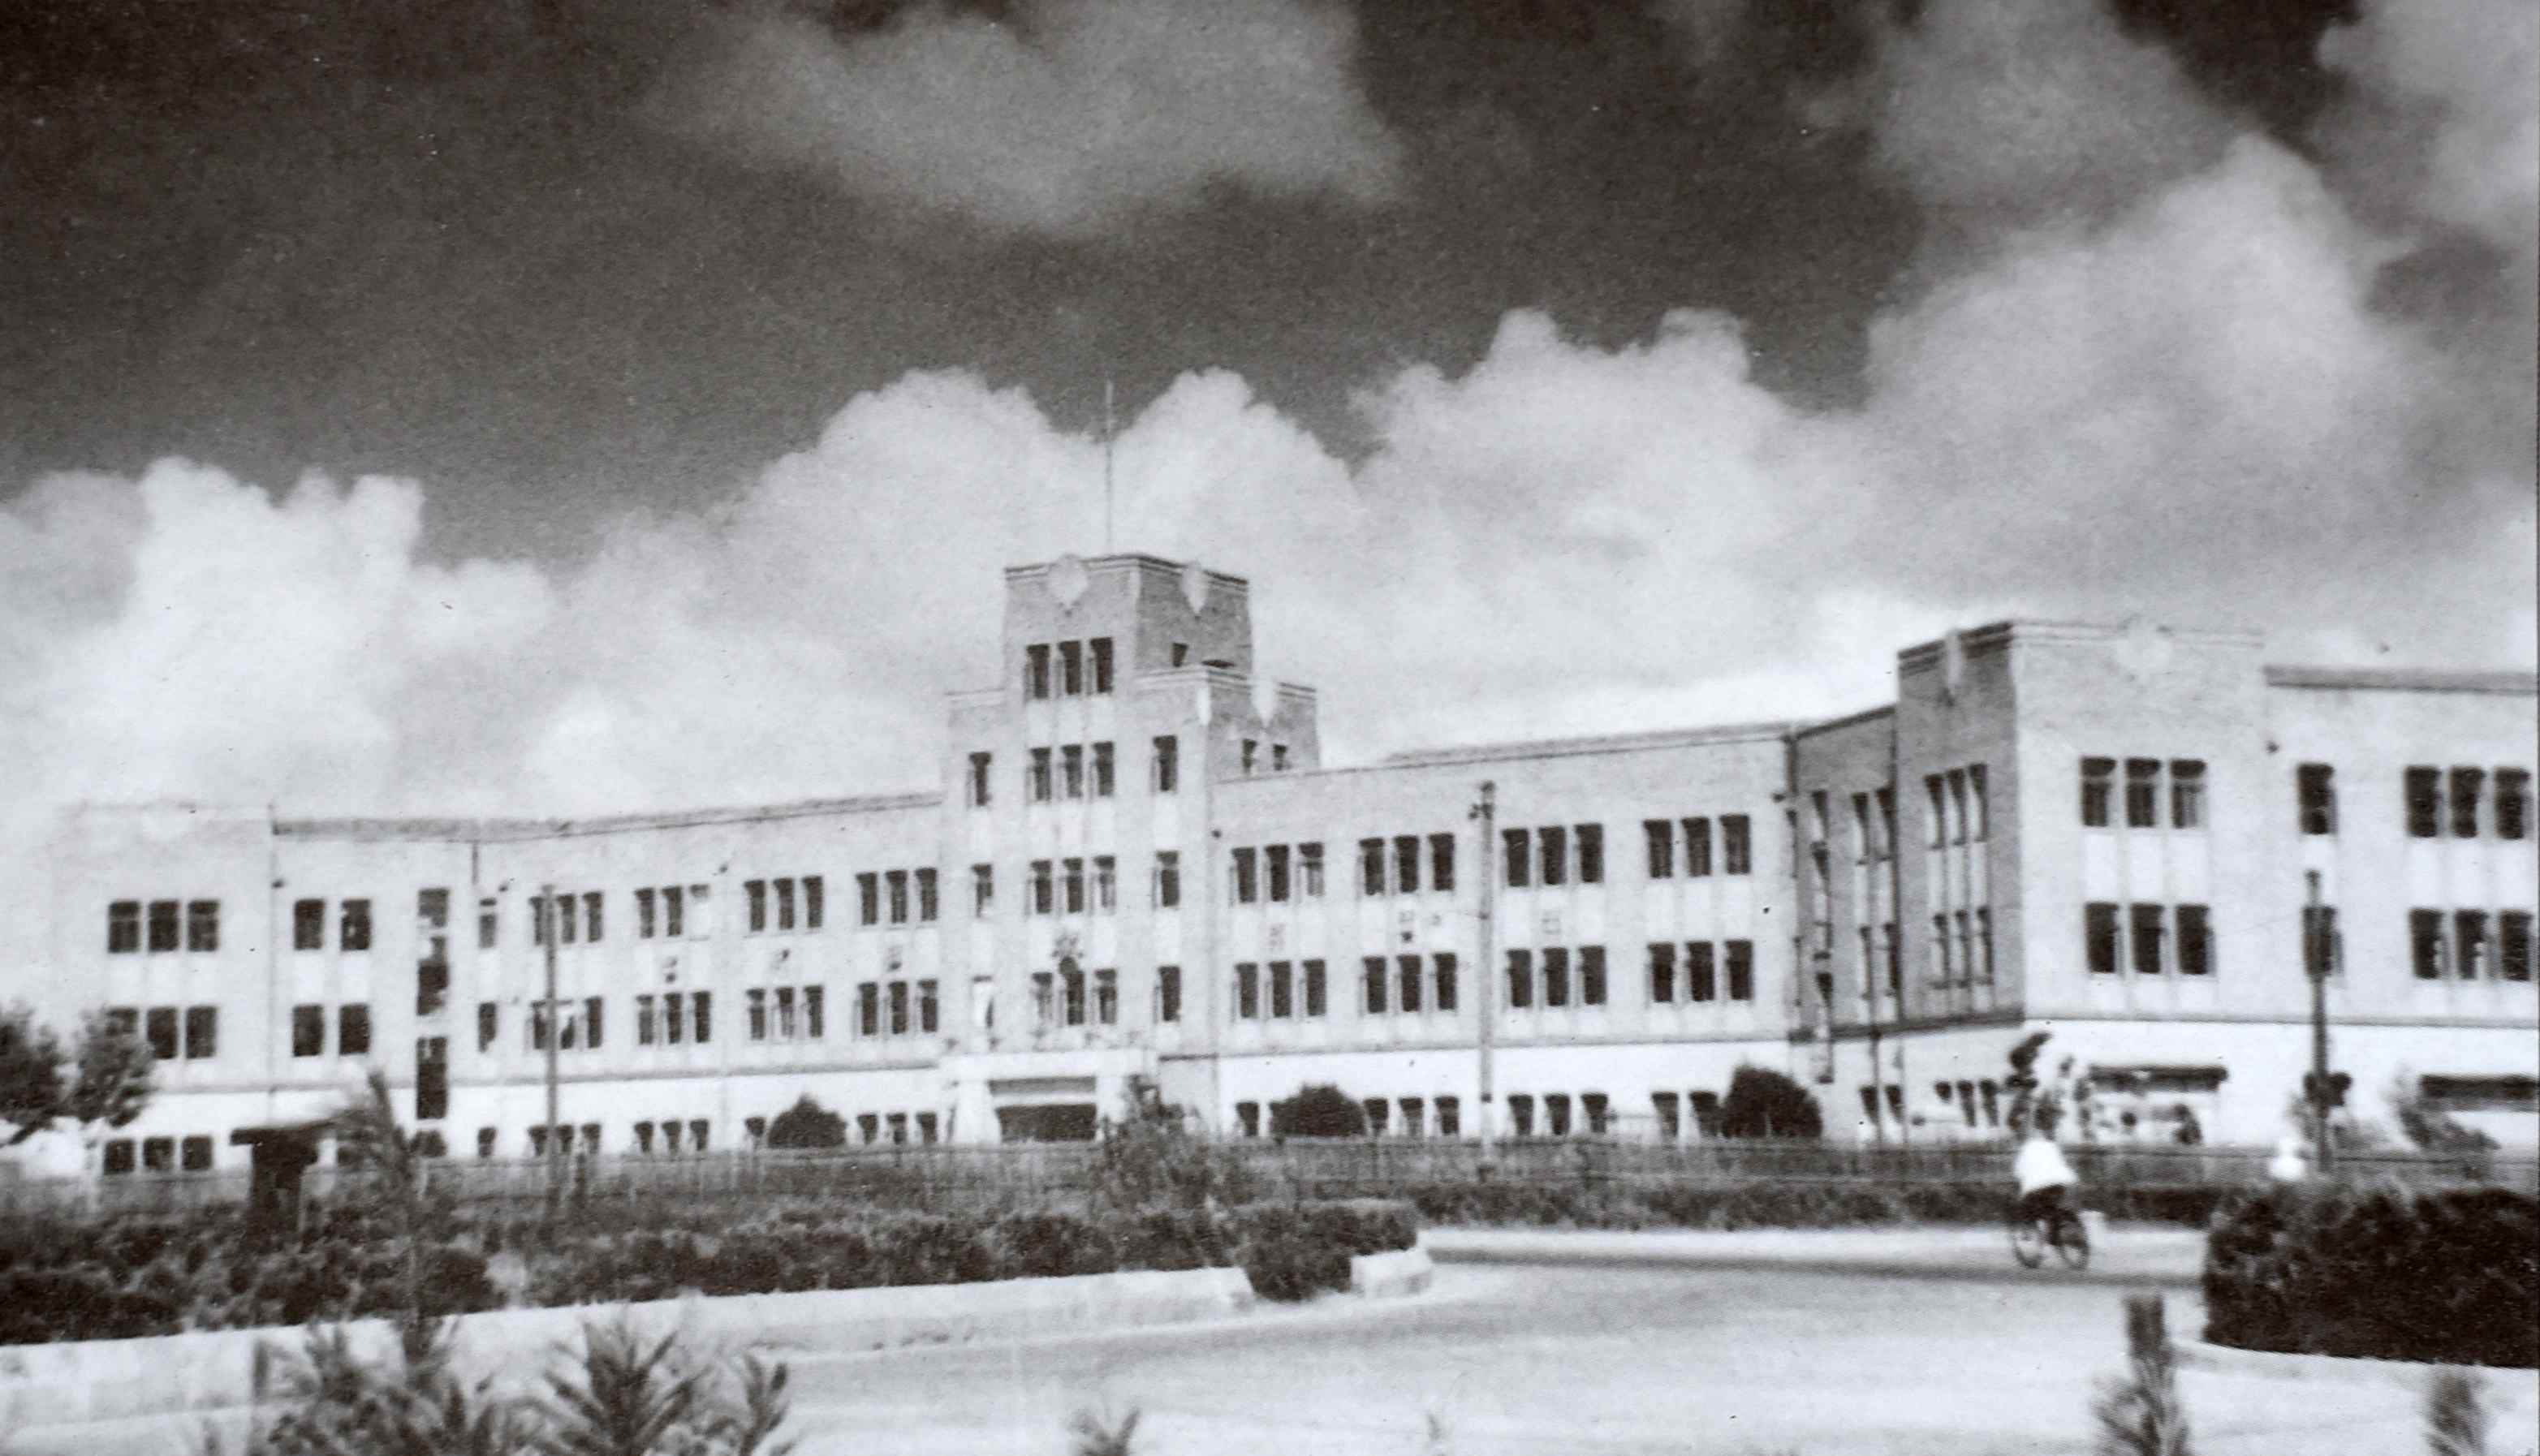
<point x="157" y="1277"/>
<point x="2448" y="1275"/>
<point x="1791" y="1205"/>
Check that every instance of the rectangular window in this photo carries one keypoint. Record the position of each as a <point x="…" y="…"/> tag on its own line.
<point x="1168" y="993"/>
<point x="1107" y="997"/>
<point x="1406" y="864"/>
<point x="1742" y="970"/>
<point x="1247" y="991"/>
<point x="644" y="924"/>
<point x="1370" y="866"/>
<point x="1941" y="968"/>
<point x="1958" y="806"/>
<point x="1036" y="780"/>
<point x="2425" y="793"/>
<point x="1243" y="882"/>
<point x="869" y="898"/>
<point x="2098" y="776"/>
<point x="1042" y="887"/>
<point x="2315" y="791"/>
<point x="1659" y="836"/>
<point x="1591" y="975"/>
<point x="1373" y="985"/>
<point x="1037" y="672"/>
<point x="868" y="1008"/>
<point x="816" y="907"/>
<point x="163" y="925"/>
<point x="1520" y="978"/>
<point x="929" y="1008"/>
<point x="1414" y="1117"/>
<point x="1247" y="1115"/>
<point x="898" y="999"/>
<point x="1072" y="879"/>
<point x="896" y="884"/>
<point x="2144" y="934"/>
<point x="1518" y="850"/>
<point x="784" y="895"/>
<point x="2426" y="944"/>
<point x="308" y="925"/>
<point x="2512" y="804"/>
<point x="1592" y="854"/>
<point x="1701" y="974"/>
<point x="202" y="926"/>
<point x="117" y="1157"/>
<point x="1552" y="857"/>
<point x="929" y="904"/>
<point x="2469" y="943"/>
<point x="159" y="1028"/>
<point x="1100" y="648"/>
<point x="2514" y="946"/>
<point x="1663" y="973"/>
<point x="675" y="903"/>
<point x="124" y="926"/>
<point x="489" y="1024"/>
<point x="353" y="1031"/>
<point x="1451" y="1121"/>
<point x="308" y="1031"/>
<point x="1441" y="863"/>
<point x="1071" y="771"/>
<point x="1520" y="1114"/>
<point x="203" y="1033"/>
<point x="1309" y="871"/>
<point x="674" y="1019"/>
<point x="982" y="770"/>
<point x="2468" y="788"/>
<point x="1252" y="756"/>
<point x="1737" y="846"/>
<point x="815" y="1013"/>
<point x="1275" y="861"/>
<point x="1979" y="803"/>
<point x="2099" y="937"/>
<point x="1283" y="991"/>
<point x="1103" y="776"/>
<point x="1697" y="847"/>
<point x="593" y="1023"/>
<point x="648" y="1025"/>
<point x="1278" y="758"/>
<point x="2187" y="793"/>
<point x="1168" y="765"/>
<point x="1169" y="879"/>
<point x="1407" y="979"/>
<point x="1984" y="943"/>
<point x="353" y="932"/>
<point x="1556" y="976"/>
<point x="2143" y="794"/>
<point x="2195" y="941"/>
<point x="757" y="891"/>
<point x="1071" y="668"/>
<point x="754" y="1013"/>
<point x="1317" y="991"/>
<point x="701" y="1013"/>
<point x="983" y="891"/>
<point x="1938" y="804"/>
<point x="1106" y="884"/>
<point x="1442" y="968"/>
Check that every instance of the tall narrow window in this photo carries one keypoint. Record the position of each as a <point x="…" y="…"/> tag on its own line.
<point x="1406" y="864"/>
<point x="983" y="891"/>
<point x="1591" y="975"/>
<point x="1317" y="991"/>
<point x="1701" y="972"/>
<point x="1037" y="779"/>
<point x="1167" y="764"/>
<point x="308" y="1031"/>
<point x="898" y="999"/>
<point x="896" y="880"/>
<point x="1071" y="668"/>
<point x="2426" y="944"/>
<point x="1309" y="871"/>
<point x="1370" y="866"/>
<point x="1697" y="847"/>
<point x="1244" y="884"/>
<point x="1102" y="771"/>
<point x="1168" y="993"/>
<point x="1741" y="955"/>
<point x="354" y="934"/>
<point x="2187" y="793"/>
<point x="2099" y="778"/>
<point x="159" y="1028"/>
<point x="1552" y="860"/>
<point x="1106" y="884"/>
<point x="1736" y="845"/>
<point x="1072" y="878"/>
<point x="2468" y="788"/>
<point x="1274" y="863"/>
<point x="1102" y="651"/>
<point x="643" y="922"/>
<point x="1663" y="973"/>
<point x="1979" y="803"/>
<point x="1252" y="756"/>
<point x="815" y="1013"/>
<point x="1442" y="968"/>
<point x="1043" y="887"/>
<point x="1936" y="795"/>
<point x="868" y="1008"/>
<point x="646" y="1022"/>
<point x="756" y="891"/>
<point x="308" y="925"/>
<point x="1518" y="850"/>
<point x="1107" y="997"/>
<point x="1036" y="671"/>
<point x="980" y="779"/>
<point x="1659" y="836"/>
<point x="203" y="1033"/>
<point x="869" y="897"/>
<point x="1520" y="978"/>
<point x="164" y="926"/>
<point x="1441" y="863"/>
<point x="2514" y="946"/>
<point x="2425" y="793"/>
<point x="1556" y="976"/>
<point x="2099" y="937"/>
<point x="2469" y="944"/>
<point x="203" y="926"/>
<point x="1958" y="806"/>
<point x="1169" y="879"/>
<point x="1283" y="991"/>
<point x="1407" y="974"/>
<point x="2316" y="789"/>
<point x="2145" y="933"/>
<point x="1070" y="770"/>
<point x="754" y="1013"/>
<point x="812" y="907"/>
<point x="1247" y="991"/>
<point x="2195" y="941"/>
<point x="928" y="906"/>
<point x="2143" y="794"/>
<point x="2512" y="804"/>
<point x="1376" y="990"/>
<point x="1592" y="854"/>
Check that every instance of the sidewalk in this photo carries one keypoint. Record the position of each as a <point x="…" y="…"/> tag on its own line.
<point x="2149" y="1256"/>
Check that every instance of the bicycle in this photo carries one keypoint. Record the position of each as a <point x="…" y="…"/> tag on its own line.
<point x="2060" y="1228"/>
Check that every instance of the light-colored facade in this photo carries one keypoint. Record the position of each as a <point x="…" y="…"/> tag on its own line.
<point x="1140" y="866"/>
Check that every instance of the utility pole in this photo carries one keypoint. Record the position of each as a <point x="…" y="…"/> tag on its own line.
<point x="2316" y="956"/>
<point x="1486" y="973"/>
<point x="546" y="923"/>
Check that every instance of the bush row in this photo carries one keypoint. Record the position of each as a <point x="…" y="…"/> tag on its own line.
<point x="1788" y="1205"/>
<point x="157" y="1277"/>
<point x="2385" y="1273"/>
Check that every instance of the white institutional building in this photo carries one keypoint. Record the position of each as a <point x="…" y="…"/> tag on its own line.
<point x="1132" y="871"/>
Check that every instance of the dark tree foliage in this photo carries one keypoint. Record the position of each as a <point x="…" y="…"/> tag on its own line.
<point x="1763" y="1104"/>
<point x="806" y="1124"/>
<point x="1319" y="1111"/>
<point x="31" y="1073"/>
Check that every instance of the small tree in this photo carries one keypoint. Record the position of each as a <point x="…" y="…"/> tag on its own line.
<point x="2140" y="1415"/>
<point x="30" y="1074"/>
<point x="1321" y="1110"/>
<point x="113" y="1076"/>
<point x="806" y="1124"/>
<point x="1147" y="1157"/>
<point x="1763" y="1104"/>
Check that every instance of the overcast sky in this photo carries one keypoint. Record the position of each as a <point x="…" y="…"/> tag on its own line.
<point x="589" y="405"/>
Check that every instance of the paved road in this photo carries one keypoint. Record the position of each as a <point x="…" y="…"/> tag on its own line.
<point x="1570" y="1358"/>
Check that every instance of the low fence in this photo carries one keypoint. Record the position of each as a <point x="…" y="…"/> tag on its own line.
<point x="945" y="1178"/>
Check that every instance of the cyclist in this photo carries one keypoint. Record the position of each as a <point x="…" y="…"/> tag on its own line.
<point x="2046" y="1181"/>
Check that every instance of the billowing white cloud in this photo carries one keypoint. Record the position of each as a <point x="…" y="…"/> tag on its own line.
<point x="1070" y="117"/>
<point x="2187" y="400"/>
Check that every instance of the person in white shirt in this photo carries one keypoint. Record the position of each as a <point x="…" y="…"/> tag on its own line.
<point x="2045" y="1178"/>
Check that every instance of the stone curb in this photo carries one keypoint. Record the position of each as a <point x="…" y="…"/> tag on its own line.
<point x="1952" y="1263"/>
<point x="2284" y="1365"/>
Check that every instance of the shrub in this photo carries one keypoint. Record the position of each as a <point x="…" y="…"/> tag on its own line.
<point x="806" y="1124"/>
<point x="1051" y="1245"/>
<point x="1763" y="1104"/>
<point x="2387" y="1272"/>
<point x="1319" y="1111"/>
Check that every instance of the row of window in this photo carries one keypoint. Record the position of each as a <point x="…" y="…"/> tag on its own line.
<point x="2509" y="812"/>
<point x="1552" y="855"/>
<point x="1702" y="965"/>
<point x="1420" y="1117"/>
<point x="772" y="902"/>
<point x="1962" y="813"/>
<point x="1072" y="669"/>
<point x="193" y="1033"/>
<point x="2145" y="781"/>
<point x="194" y="924"/>
<point x="157" y="1155"/>
<point x="352" y="1030"/>
<point x="1072" y="770"/>
<point x="1662" y="838"/>
<point x="1060" y="998"/>
<point x="1280" y="873"/>
<point x="1059" y="886"/>
<point x="774" y="1013"/>
<point x="2469" y="952"/>
<point x="2138" y="935"/>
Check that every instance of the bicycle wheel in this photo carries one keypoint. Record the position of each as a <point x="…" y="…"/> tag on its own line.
<point x="2073" y="1241"/>
<point x="2027" y="1242"/>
